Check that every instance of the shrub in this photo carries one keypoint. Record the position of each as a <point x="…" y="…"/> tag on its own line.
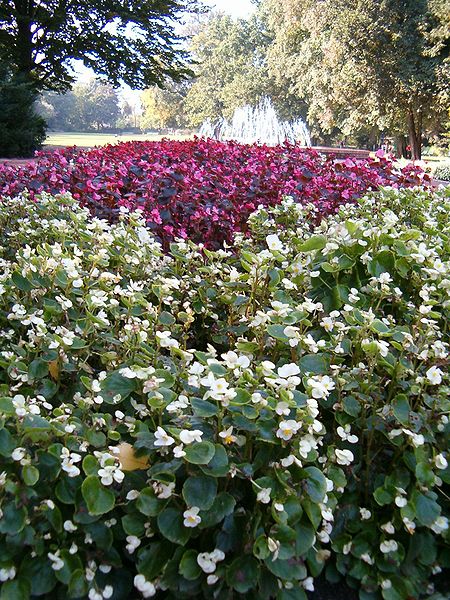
<point x="442" y="172"/>
<point x="22" y="131"/>
<point x="201" y="190"/>
<point x="213" y="425"/>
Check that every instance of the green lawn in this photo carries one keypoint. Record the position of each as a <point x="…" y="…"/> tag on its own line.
<point x="88" y="140"/>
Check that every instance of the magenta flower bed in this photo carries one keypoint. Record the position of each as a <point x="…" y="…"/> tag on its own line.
<point x="201" y="189"/>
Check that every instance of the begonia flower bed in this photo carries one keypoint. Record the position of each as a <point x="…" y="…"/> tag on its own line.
<point x="199" y="189"/>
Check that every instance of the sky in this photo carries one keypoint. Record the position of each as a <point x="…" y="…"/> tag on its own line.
<point x="236" y="8"/>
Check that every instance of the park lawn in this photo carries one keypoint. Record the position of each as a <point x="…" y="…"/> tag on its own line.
<point x="87" y="140"/>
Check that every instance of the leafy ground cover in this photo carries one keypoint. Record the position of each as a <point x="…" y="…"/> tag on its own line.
<point x="208" y="424"/>
<point x="201" y="190"/>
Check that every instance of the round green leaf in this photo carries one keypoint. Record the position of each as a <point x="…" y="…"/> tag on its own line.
<point x="200" y="491"/>
<point x="170" y="524"/>
<point x="200" y="453"/>
<point x="99" y="500"/>
<point x="189" y="567"/>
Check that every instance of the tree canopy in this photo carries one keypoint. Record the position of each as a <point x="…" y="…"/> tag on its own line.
<point x="124" y="41"/>
<point x="364" y="64"/>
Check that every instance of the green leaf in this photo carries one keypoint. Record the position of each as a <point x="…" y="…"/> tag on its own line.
<point x="30" y="475"/>
<point x="316" y="484"/>
<point x="169" y="379"/>
<point x="99" y="500"/>
<point x="165" y="318"/>
<point x="287" y="569"/>
<point x="7" y="407"/>
<point x="18" y="589"/>
<point x="296" y="593"/>
<point x="13" y="519"/>
<point x="21" y="282"/>
<point x="305" y="537"/>
<point x="189" y="567"/>
<point x="148" y="504"/>
<point x="401" y="408"/>
<point x="39" y="572"/>
<point x="351" y="406"/>
<point x="202" y="408"/>
<point x="318" y="364"/>
<point x="427" y="509"/>
<point x="78" y="586"/>
<point x="218" y="466"/>
<point x="7" y="443"/>
<point x="200" y="453"/>
<point x="170" y="524"/>
<point x="200" y="491"/>
<point x="133" y="524"/>
<point x="116" y="384"/>
<point x="153" y="559"/>
<point x="222" y="506"/>
<point x="242" y="574"/>
<point x="315" y="242"/>
<point x="379" y="327"/>
<point x="242" y="397"/>
<point x="277" y="332"/>
<point x="38" y="369"/>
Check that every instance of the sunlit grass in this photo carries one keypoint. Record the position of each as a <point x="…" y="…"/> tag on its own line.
<point x="88" y="140"/>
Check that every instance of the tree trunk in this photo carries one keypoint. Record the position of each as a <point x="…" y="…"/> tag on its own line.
<point x="24" y="43"/>
<point x="400" y="146"/>
<point x="415" y="134"/>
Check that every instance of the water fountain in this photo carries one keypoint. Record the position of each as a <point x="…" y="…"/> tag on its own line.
<point x="258" y="124"/>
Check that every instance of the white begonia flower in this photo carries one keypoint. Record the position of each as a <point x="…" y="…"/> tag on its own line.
<point x="146" y="588"/>
<point x="400" y="501"/>
<point x="308" y="584"/>
<point x="290" y="460"/>
<point x="321" y="386"/>
<point x="212" y="579"/>
<point x="128" y="373"/>
<point x="307" y="443"/>
<point x="274" y="242"/>
<point x="206" y="562"/>
<point x="388" y="528"/>
<point x="367" y="558"/>
<point x="289" y="370"/>
<point x="344" y="457"/>
<point x="163" y="490"/>
<point x="57" y="562"/>
<point x="434" y="375"/>
<point x="227" y="435"/>
<point x="162" y="438"/>
<point x="345" y="434"/>
<point x="188" y="436"/>
<point x="165" y="339"/>
<point x="286" y="429"/>
<point x="69" y="526"/>
<point x="108" y="591"/>
<point x="365" y="514"/>
<point x="263" y="495"/>
<point x="388" y="546"/>
<point x="386" y="584"/>
<point x="110" y="473"/>
<point x="410" y="526"/>
<point x="191" y="517"/>
<point x="385" y="278"/>
<point x="133" y="494"/>
<point x="7" y="573"/>
<point x="18" y="453"/>
<point x="178" y="451"/>
<point x="235" y="361"/>
<point x="440" y="525"/>
<point x="440" y="461"/>
<point x="133" y="542"/>
<point x="282" y="408"/>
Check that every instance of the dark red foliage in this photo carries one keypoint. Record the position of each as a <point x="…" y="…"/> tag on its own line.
<point x="201" y="189"/>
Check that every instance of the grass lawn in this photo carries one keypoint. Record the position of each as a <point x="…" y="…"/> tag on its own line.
<point x="88" y="140"/>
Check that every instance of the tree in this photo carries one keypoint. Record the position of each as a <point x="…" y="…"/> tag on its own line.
<point x="231" y="68"/>
<point x="366" y="65"/>
<point x="130" y="41"/>
<point x="88" y="106"/>
<point x="97" y="105"/>
<point x="22" y="130"/>
<point x="163" y="108"/>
